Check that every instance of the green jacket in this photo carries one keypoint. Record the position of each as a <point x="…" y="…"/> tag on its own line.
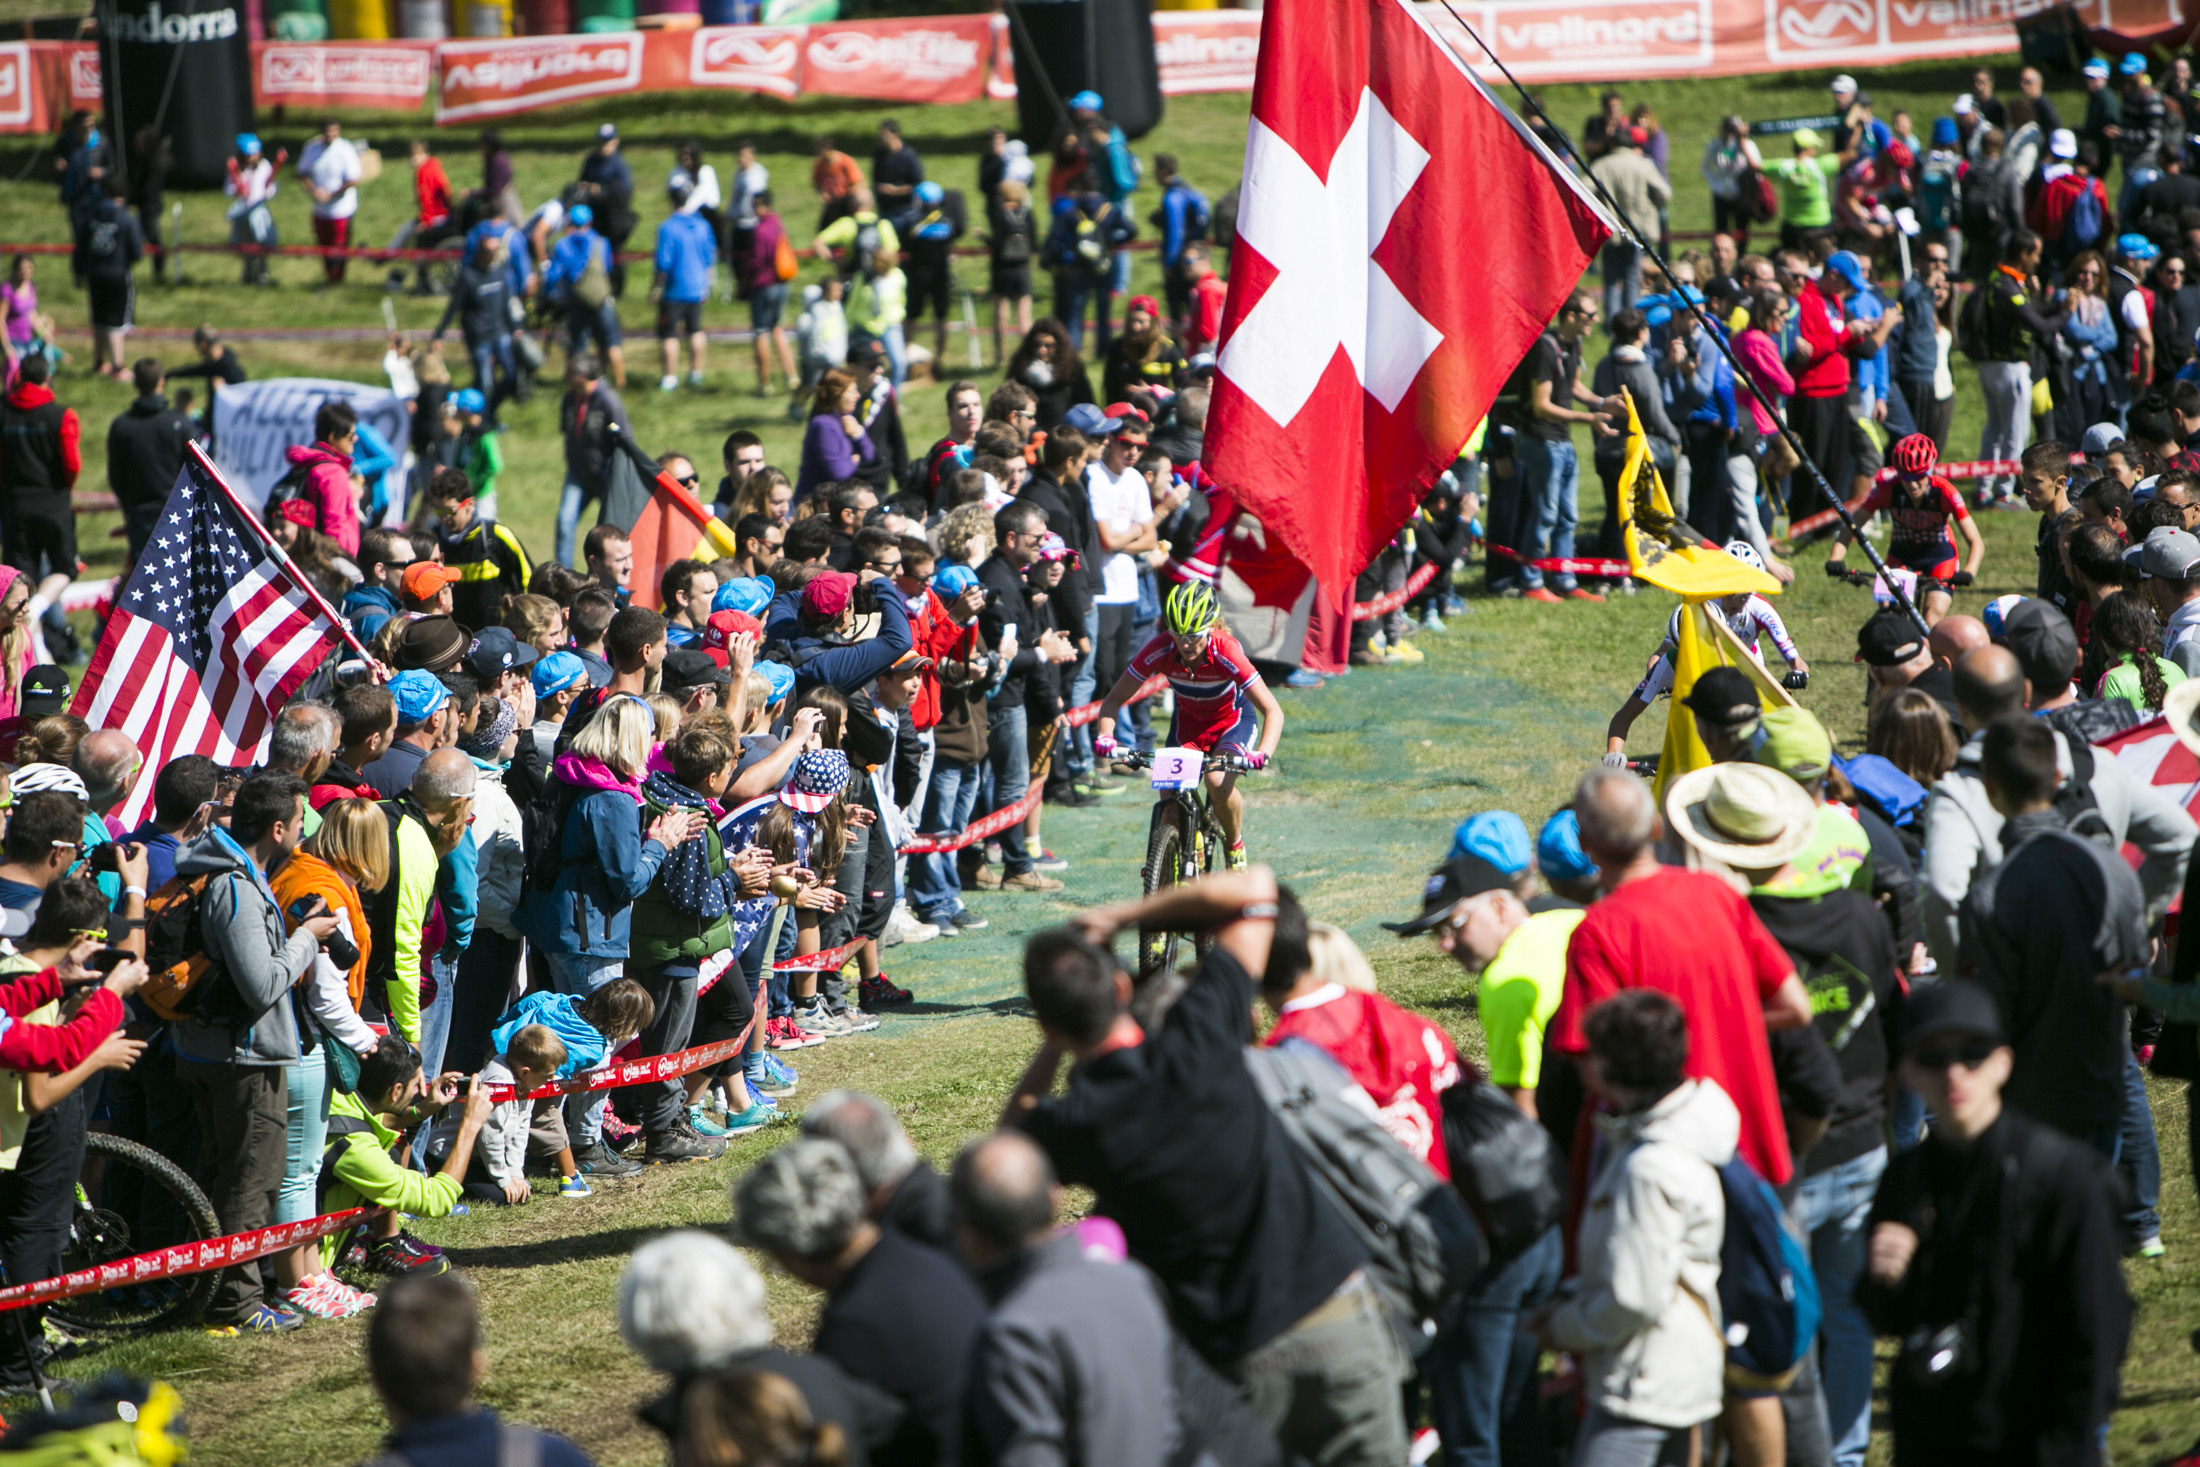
<point x="661" y="933"/>
<point x="396" y="917"/>
<point x="358" y="1170"/>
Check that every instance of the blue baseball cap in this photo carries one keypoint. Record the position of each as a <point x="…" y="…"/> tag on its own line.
<point x="929" y="192"/>
<point x="1497" y="836"/>
<point x="419" y="694"/>
<point x="2133" y="64"/>
<point x="557" y="672"/>
<point x="950" y="581"/>
<point x="751" y="594"/>
<point x="1087" y="101"/>
<point x="1558" y="852"/>
<point x="580" y="216"/>
<point x="778" y="677"/>
<point x="1944" y="128"/>
<point x="2137" y="247"/>
<point x="1090" y="421"/>
<point x="469" y="400"/>
<point x="2095" y="67"/>
<point x="1849" y="268"/>
<point x="248" y="143"/>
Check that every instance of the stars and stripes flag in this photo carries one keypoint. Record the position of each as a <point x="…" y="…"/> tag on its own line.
<point x="211" y="635"/>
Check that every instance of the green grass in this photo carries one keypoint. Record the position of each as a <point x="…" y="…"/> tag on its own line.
<point x="1377" y="769"/>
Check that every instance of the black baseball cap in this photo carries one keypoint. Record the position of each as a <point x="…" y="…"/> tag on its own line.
<point x="495" y="651"/>
<point x="1888" y="640"/>
<point x="45" y="691"/>
<point x="2044" y="643"/>
<point x="1448" y="885"/>
<point x="687" y="667"/>
<point x="1951" y="1006"/>
<point x="1724" y="695"/>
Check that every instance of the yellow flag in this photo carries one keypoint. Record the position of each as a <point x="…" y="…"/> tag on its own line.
<point x="1694" y="654"/>
<point x="1658" y="551"/>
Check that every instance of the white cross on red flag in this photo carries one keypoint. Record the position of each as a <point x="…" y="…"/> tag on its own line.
<point x="1401" y="241"/>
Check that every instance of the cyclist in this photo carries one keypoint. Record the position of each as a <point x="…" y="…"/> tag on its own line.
<point x="1748" y="615"/>
<point x="1919" y="503"/>
<point x="1220" y="700"/>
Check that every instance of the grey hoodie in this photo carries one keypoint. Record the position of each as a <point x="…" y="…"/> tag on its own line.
<point x="244" y="935"/>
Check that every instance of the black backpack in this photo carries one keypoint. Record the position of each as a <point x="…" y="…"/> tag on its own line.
<point x="541" y="832"/>
<point x="866" y="247"/>
<point x="2081" y="813"/>
<point x="1971" y="337"/>
<point x="1986" y="204"/>
<point x="1503" y="1166"/>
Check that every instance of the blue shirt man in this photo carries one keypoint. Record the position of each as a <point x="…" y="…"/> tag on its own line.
<point x="569" y="258"/>
<point x="687" y="252"/>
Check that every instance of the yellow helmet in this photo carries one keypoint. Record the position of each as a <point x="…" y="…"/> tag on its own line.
<point x="1192" y="609"/>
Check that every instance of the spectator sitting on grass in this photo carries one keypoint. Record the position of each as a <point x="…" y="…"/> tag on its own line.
<point x="364" y="1131"/>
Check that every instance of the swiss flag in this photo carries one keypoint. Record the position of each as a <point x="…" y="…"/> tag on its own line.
<point x="1401" y="241"/>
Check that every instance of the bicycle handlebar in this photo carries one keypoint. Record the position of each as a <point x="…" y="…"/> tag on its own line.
<point x="1227" y="762"/>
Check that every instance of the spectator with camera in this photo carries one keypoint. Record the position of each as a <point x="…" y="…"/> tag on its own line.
<point x="391" y="1100"/>
<point x="233" y="1053"/>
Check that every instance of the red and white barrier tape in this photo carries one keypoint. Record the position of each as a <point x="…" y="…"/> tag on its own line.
<point x="631" y="1072"/>
<point x="832" y="959"/>
<point x="1569" y="567"/>
<point x="1390" y="601"/>
<point x="183" y="1259"/>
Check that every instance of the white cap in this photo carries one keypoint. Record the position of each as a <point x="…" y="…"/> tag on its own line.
<point x="2062" y="143"/>
<point x="1842" y="83"/>
<point x="1963" y="106"/>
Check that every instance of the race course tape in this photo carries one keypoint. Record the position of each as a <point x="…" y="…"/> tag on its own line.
<point x="1564" y="567"/>
<point x="183" y="1259"/>
<point x="1390" y="601"/>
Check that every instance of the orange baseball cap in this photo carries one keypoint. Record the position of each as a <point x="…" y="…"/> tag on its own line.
<point x="423" y="578"/>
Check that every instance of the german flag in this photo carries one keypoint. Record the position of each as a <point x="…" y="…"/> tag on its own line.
<point x="666" y="523"/>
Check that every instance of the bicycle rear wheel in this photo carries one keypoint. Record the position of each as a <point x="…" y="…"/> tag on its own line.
<point x="134" y="1200"/>
<point x="1165" y="860"/>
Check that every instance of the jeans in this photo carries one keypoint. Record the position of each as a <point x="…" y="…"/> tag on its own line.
<point x="1621" y="263"/>
<point x="1077" y="757"/>
<point x="580" y="975"/>
<point x="307" y="1082"/>
<point x="896" y="345"/>
<point x="1609" y="1441"/>
<point x="37" y="1210"/>
<point x="1832" y="1207"/>
<point x="1134" y="726"/>
<point x="660" y="1107"/>
<point x="489" y="357"/>
<point x="2138" y="1158"/>
<point x="1328" y="1386"/>
<point x="1008" y="751"/>
<point x="935" y="883"/>
<point x="571" y="501"/>
<point x="2007" y="387"/>
<point x="435" y="1013"/>
<point x="1550" y="476"/>
<point x="1074" y="290"/>
<point x="1481" y="1372"/>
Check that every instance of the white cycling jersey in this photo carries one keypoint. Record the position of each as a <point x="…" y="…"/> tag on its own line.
<point x="1755" y="622"/>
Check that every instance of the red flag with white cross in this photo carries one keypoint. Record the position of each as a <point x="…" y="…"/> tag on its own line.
<point x="1402" y="239"/>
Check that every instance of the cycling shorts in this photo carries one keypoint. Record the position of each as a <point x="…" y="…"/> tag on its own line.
<point x="1938" y="561"/>
<point x="1238" y="737"/>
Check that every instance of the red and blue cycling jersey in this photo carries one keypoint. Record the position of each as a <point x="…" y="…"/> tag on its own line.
<point x="1923" y="521"/>
<point x="1210" y="696"/>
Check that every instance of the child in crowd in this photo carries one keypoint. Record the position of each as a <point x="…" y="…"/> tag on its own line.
<point x="591" y="1029"/>
<point x="480" y="453"/>
<point x="805" y="828"/>
<point x="514" y="1132"/>
<point x="558" y="679"/>
<point x="964" y="669"/>
<point x="821" y="338"/>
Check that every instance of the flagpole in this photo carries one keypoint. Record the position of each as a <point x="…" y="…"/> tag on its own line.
<point x="305" y="582"/>
<point x="713" y="531"/>
<point x="1717" y="337"/>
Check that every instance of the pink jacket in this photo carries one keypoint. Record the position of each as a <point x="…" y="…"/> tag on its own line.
<point x="328" y="485"/>
<point x="1761" y="354"/>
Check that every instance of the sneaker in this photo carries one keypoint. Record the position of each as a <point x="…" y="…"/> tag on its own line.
<point x="880" y="993"/>
<point x="575" y="1186"/>
<point x="909" y="926"/>
<point x="1070" y="797"/>
<point x="668" y="384"/>
<point x="987" y="878"/>
<point x="699" y="1118"/>
<point x="1303" y="680"/>
<point x="1580" y="593"/>
<point x="265" y="1319"/>
<point x="617" y="1134"/>
<point x="325" y="1296"/>
<point x="769" y="1078"/>
<point x="1097" y="787"/>
<point x="970" y="922"/>
<point x="681" y="1143"/>
<point x="1538" y="593"/>
<point x="857" y="1021"/>
<point x="815" y="1019"/>
<point x="695" y="380"/>
<point x="1045" y="860"/>
<point x="755" y="1118"/>
<point x="1030" y="881"/>
<point x="945" y="927"/>
<point x="1406" y="653"/>
<point x="598" y="1160"/>
<point x="1433" y="622"/>
<point x="2150" y="1248"/>
<point x="406" y="1254"/>
<point x="1367" y="658"/>
<point x="785" y="1033"/>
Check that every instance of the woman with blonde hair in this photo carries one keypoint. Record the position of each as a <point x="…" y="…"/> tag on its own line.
<point x="765" y="492"/>
<point x="582" y="924"/>
<point x="350" y="853"/>
<point x="15" y="638"/>
<point x="753" y="1418"/>
<point x="537" y="621"/>
<point x="1337" y="959"/>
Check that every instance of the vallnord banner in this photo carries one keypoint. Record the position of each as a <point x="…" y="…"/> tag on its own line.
<point x="961" y="58"/>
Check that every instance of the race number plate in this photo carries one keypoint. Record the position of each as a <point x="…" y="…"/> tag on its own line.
<point x="1176" y="769"/>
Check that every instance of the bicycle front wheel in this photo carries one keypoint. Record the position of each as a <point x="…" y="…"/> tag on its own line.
<point x="1165" y="861"/>
<point x="134" y="1200"/>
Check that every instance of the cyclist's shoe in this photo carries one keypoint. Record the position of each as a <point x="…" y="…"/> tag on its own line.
<point x="880" y="993"/>
<point x="575" y="1186"/>
<point x="1030" y="881"/>
<point x="265" y="1319"/>
<point x="599" y="1160"/>
<point x="406" y="1254"/>
<point x="1235" y="857"/>
<point x="1045" y="860"/>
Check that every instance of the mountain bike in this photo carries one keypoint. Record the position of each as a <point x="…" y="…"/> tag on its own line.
<point x="130" y="1199"/>
<point x="1185" y="842"/>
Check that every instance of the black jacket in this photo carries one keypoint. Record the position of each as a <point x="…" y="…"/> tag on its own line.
<point x="588" y="446"/>
<point x="2019" y="1244"/>
<point x="1006" y="607"/>
<point x="1847" y="962"/>
<point x="1069" y="514"/>
<point x="145" y="452"/>
<point x="918" y="1206"/>
<point x="481" y="303"/>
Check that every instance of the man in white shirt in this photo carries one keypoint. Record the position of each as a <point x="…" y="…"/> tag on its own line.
<point x="1122" y="514"/>
<point x="330" y="168"/>
<point x="251" y="190"/>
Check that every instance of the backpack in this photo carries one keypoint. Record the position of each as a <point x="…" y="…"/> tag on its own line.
<point x="1014" y="245"/>
<point x="1937" y="192"/>
<point x="593" y="287"/>
<point x="1885" y="788"/>
<point x="2082" y="226"/>
<point x="935" y="225"/>
<point x="541" y="828"/>
<point x="1759" y="198"/>
<point x="1767" y="1292"/>
<point x="867" y="245"/>
<point x="1424" y="1250"/>
<point x="186" y="982"/>
<point x="1971" y="337"/>
<point x="1986" y="206"/>
<point x="2081" y="813"/>
<point x="1503" y="1166"/>
<point x="784" y="264"/>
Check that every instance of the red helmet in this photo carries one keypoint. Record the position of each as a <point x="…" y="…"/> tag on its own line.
<point x="1915" y="454"/>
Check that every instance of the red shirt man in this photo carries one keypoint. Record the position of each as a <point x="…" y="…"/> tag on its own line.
<point x="1401" y="1060"/>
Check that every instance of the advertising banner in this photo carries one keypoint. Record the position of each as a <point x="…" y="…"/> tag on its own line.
<point x="255" y="421"/>
<point x="747" y="58"/>
<point x="379" y="74"/>
<point x="934" y="59"/>
<point x="498" y="78"/>
<point x="1205" y="50"/>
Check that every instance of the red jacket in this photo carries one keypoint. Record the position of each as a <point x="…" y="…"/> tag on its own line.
<point x="2050" y="210"/>
<point x="1819" y="323"/>
<point x="1400" y="1059"/>
<point x="52" y="1047"/>
<point x="934" y="634"/>
<point x="29" y="398"/>
<point x="328" y="485"/>
<point x="432" y="192"/>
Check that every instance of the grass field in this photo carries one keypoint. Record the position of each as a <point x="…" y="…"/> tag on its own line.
<point x="1376" y="770"/>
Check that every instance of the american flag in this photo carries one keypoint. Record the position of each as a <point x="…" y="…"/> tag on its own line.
<point x="209" y="638"/>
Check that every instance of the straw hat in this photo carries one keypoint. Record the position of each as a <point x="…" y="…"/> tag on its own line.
<point x="1743" y="815"/>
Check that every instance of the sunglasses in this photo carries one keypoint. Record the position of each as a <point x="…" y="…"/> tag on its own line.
<point x="1970" y="1053"/>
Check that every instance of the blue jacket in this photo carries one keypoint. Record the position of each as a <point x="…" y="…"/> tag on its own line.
<point x="849" y="667"/>
<point x="687" y="251"/>
<point x="373" y="460"/>
<point x="471" y="1437"/>
<point x="569" y="260"/>
<point x="607" y="865"/>
<point x="1183" y="214"/>
<point x="585" y="1046"/>
<point x="1915" y="353"/>
<point x="368" y="608"/>
<point x="1872" y="371"/>
<point x="1117" y="168"/>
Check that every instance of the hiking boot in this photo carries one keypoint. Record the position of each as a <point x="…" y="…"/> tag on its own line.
<point x="986" y="878"/>
<point x="879" y="993"/>
<point x="406" y="1254"/>
<point x="1030" y="881"/>
<point x="598" y="1160"/>
<point x="682" y="1143"/>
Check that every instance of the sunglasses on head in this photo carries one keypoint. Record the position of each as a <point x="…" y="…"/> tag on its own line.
<point x="1969" y="1053"/>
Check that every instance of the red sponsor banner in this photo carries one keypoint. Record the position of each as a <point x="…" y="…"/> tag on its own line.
<point x="497" y="78"/>
<point x="1206" y="50"/>
<point x="746" y="58"/>
<point x="22" y="96"/>
<point x="1569" y="40"/>
<point x="379" y="75"/>
<point x="81" y="66"/>
<point x="940" y="58"/>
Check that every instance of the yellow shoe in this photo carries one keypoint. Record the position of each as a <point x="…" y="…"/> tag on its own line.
<point x="1235" y="858"/>
<point x="1405" y="652"/>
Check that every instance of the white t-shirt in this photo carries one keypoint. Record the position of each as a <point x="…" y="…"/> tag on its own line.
<point x="332" y="166"/>
<point x="1118" y="503"/>
<point x="703" y="191"/>
<point x="747" y="184"/>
